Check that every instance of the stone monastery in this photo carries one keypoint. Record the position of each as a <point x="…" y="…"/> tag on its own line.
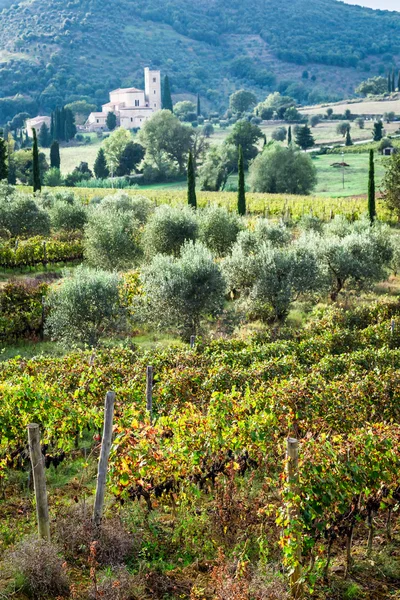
<point x="131" y="106"/>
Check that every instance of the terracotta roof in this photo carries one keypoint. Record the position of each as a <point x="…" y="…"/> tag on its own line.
<point x="132" y="89"/>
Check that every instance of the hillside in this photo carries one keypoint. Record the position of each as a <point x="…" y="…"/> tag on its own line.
<point x="59" y="51"/>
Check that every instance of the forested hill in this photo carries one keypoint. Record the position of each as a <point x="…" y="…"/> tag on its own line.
<point x="55" y="51"/>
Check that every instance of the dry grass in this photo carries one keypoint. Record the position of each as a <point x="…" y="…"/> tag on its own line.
<point x="363" y="107"/>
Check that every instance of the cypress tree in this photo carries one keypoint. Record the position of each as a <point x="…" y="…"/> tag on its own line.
<point x="37" y="186"/>
<point x="198" y="106"/>
<point x="191" y="182"/>
<point x="398" y="83"/>
<point x="265" y="140"/>
<point x="44" y="136"/>
<point x="371" y="188"/>
<point x="70" y="127"/>
<point x="289" y="135"/>
<point x="389" y="83"/>
<point x="55" y="159"/>
<point x="241" y="185"/>
<point x="63" y="129"/>
<point x="393" y="82"/>
<point x="378" y="131"/>
<point x="304" y="138"/>
<point x="349" y="141"/>
<point x="100" y="166"/>
<point x="166" y="95"/>
<point x="12" y="172"/>
<point x="3" y="160"/>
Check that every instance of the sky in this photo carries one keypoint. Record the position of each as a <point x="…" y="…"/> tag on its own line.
<point x="382" y="4"/>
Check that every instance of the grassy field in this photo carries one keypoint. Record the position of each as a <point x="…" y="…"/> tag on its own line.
<point x="363" y="107"/>
<point x="330" y="179"/>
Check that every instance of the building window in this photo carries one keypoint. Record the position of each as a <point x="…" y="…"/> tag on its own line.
<point x="98" y="120"/>
<point x="155" y="91"/>
<point x="136" y="102"/>
<point x="155" y="105"/>
<point x="131" y="119"/>
<point x="154" y="80"/>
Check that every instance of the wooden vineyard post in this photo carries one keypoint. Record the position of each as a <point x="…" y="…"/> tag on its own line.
<point x="103" y="461"/>
<point x="39" y="481"/>
<point x="149" y="391"/>
<point x="296" y="587"/>
<point x="192" y="341"/>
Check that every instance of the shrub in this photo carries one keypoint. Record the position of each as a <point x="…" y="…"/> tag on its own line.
<point x="180" y="292"/>
<point x="75" y="532"/>
<point x="121" y="585"/>
<point x="53" y="178"/>
<point x="112" y="239"/>
<point x="218" y="229"/>
<point x="168" y="229"/>
<point x="37" y="566"/>
<point x="85" y="306"/>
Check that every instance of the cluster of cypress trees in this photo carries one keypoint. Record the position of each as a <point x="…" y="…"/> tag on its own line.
<point x="393" y="85"/>
<point x="62" y="126"/>
<point x="37" y="184"/>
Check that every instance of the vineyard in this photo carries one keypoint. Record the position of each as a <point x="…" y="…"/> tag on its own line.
<point x="215" y="446"/>
<point x="254" y="457"/>
<point x="274" y="205"/>
<point x="39" y="251"/>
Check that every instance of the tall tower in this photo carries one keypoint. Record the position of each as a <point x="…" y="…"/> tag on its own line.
<point x="152" y="88"/>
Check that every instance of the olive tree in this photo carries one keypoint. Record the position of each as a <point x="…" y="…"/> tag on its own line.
<point x="283" y="274"/>
<point x="179" y="292"/>
<point x="351" y="256"/>
<point x="282" y="170"/>
<point x="271" y="278"/>
<point x="22" y="216"/>
<point x="168" y="229"/>
<point x="218" y="229"/>
<point x="279" y="134"/>
<point x="139" y="207"/>
<point x="269" y="231"/>
<point x="68" y="217"/>
<point x="112" y="239"/>
<point x="84" y="307"/>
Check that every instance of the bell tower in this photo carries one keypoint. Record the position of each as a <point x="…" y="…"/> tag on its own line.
<point x="152" y="87"/>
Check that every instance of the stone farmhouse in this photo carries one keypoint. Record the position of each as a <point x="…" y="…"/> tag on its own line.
<point x="131" y="106"/>
<point x="36" y="123"/>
